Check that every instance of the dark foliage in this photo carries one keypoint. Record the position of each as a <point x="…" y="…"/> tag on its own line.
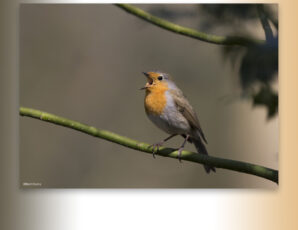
<point x="258" y="65"/>
<point x="268" y="98"/>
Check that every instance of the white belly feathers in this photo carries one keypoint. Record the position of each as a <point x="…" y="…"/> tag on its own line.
<point x="171" y="120"/>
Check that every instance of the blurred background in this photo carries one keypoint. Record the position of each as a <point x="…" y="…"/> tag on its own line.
<point x="84" y="62"/>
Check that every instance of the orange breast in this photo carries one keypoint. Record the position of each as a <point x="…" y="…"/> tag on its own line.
<point x="155" y="102"/>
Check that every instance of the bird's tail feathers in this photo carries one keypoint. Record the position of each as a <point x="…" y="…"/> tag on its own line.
<point x="202" y="149"/>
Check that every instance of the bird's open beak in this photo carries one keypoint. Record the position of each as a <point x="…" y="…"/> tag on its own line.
<point x="149" y="79"/>
<point x="146" y="74"/>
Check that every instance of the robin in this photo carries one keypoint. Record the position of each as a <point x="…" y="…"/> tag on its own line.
<point x="168" y="109"/>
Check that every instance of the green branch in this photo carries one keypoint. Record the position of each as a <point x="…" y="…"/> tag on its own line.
<point x="220" y="40"/>
<point x="239" y="166"/>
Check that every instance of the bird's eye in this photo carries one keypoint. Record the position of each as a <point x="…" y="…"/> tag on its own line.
<point x="160" y="78"/>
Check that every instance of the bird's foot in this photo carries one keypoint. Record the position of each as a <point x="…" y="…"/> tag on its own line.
<point x="179" y="153"/>
<point x="155" y="147"/>
<point x="182" y="147"/>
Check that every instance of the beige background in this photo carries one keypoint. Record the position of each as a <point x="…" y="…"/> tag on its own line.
<point x="84" y="62"/>
<point x="93" y="209"/>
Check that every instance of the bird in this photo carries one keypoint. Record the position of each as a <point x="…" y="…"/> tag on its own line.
<point x="167" y="107"/>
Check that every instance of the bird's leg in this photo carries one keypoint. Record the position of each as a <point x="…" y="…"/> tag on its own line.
<point x="182" y="147"/>
<point x="159" y="144"/>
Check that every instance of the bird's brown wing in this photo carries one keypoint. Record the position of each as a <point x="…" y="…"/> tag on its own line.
<point x="187" y="111"/>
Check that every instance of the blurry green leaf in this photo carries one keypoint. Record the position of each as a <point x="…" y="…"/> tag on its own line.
<point x="268" y="98"/>
<point x="259" y="64"/>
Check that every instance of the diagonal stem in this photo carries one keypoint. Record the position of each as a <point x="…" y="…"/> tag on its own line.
<point x="244" y="167"/>
<point x="164" y="24"/>
<point x="265" y="22"/>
